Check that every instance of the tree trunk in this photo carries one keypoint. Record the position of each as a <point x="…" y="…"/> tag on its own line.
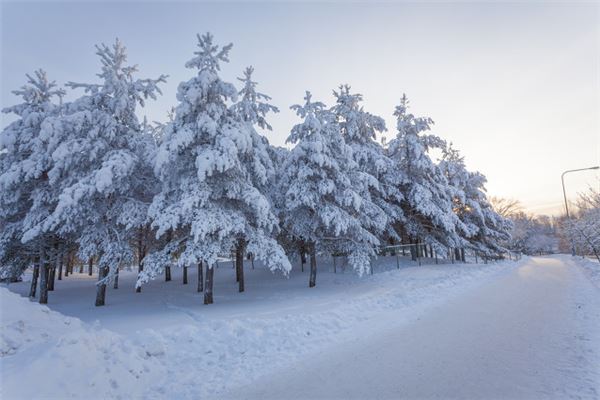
<point x="462" y="255"/>
<point x="239" y="264"/>
<point x="185" y="278"/>
<point x="302" y="257"/>
<point x="116" y="280"/>
<point x="91" y="266"/>
<point x="70" y="262"/>
<point x="457" y="254"/>
<point x="43" y="279"/>
<point x="200" y="277"/>
<point x="208" y="292"/>
<point x="312" y="280"/>
<point x="167" y="273"/>
<point x="60" y="270"/>
<point x="235" y="265"/>
<point x="34" y="277"/>
<point x="141" y="255"/>
<point x="413" y="252"/>
<point x="101" y="287"/>
<point x="51" y="278"/>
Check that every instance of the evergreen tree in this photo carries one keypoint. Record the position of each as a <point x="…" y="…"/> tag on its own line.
<point x="321" y="207"/>
<point x="427" y="203"/>
<point x="252" y="109"/>
<point x="98" y="161"/>
<point x="481" y="228"/>
<point x="25" y="194"/>
<point x="373" y="177"/>
<point x="209" y="163"/>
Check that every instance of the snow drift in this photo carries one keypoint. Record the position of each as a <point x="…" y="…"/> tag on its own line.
<point x="76" y="360"/>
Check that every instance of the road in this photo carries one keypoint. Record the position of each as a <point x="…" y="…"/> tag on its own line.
<point x="533" y="333"/>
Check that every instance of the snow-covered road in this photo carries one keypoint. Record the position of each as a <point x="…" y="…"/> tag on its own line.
<point x="533" y="333"/>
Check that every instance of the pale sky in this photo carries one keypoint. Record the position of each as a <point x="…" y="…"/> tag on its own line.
<point x="515" y="86"/>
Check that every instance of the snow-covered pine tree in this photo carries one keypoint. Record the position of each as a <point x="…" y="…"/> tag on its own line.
<point x="374" y="178"/>
<point x="482" y="229"/>
<point x="98" y="164"/>
<point x="24" y="187"/>
<point x="252" y="109"/>
<point x="427" y="203"/>
<point x="209" y="166"/>
<point x="321" y="207"/>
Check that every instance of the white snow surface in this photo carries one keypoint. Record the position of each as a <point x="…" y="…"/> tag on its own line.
<point x="163" y="343"/>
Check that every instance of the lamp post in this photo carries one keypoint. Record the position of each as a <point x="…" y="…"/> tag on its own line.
<point x="562" y="178"/>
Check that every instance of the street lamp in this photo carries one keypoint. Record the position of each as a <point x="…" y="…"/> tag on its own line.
<point x="562" y="178"/>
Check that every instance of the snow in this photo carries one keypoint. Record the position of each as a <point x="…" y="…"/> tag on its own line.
<point x="532" y="333"/>
<point x="164" y="342"/>
<point x="76" y="360"/>
<point x="591" y="268"/>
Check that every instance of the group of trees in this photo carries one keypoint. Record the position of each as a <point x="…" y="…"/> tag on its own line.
<point x="530" y="234"/>
<point x="582" y="230"/>
<point x="87" y="179"/>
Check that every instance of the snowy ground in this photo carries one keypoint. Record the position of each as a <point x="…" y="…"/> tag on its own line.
<point x="164" y="343"/>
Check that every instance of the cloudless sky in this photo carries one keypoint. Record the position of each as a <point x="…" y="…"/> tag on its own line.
<point x="515" y="86"/>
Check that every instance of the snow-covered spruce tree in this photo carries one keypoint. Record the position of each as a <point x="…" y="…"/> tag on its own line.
<point x="24" y="187"/>
<point x="427" y="203"/>
<point x="482" y="229"/>
<point x="98" y="155"/>
<point x="142" y="239"/>
<point x="373" y="177"/>
<point x="322" y="208"/>
<point x="252" y="109"/>
<point x="209" y="166"/>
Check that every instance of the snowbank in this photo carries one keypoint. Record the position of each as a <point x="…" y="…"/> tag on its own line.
<point x="45" y="354"/>
<point x="591" y="268"/>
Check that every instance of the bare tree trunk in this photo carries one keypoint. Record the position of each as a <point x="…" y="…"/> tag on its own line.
<point x="239" y="263"/>
<point x="302" y="257"/>
<point x="101" y="287"/>
<point x="34" y="277"/>
<point x="141" y="255"/>
<point x="43" y="278"/>
<point x="91" y="266"/>
<point x="168" y="266"/>
<point x="138" y="289"/>
<point x="208" y="292"/>
<point x="58" y="258"/>
<point x="70" y="264"/>
<point x="234" y="264"/>
<point x="60" y="269"/>
<point x="185" y="277"/>
<point x="200" y="277"/>
<point x="413" y="252"/>
<point x="462" y="255"/>
<point x="312" y="280"/>
<point x="116" y="280"/>
<point x="51" y="277"/>
<point x="457" y="254"/>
